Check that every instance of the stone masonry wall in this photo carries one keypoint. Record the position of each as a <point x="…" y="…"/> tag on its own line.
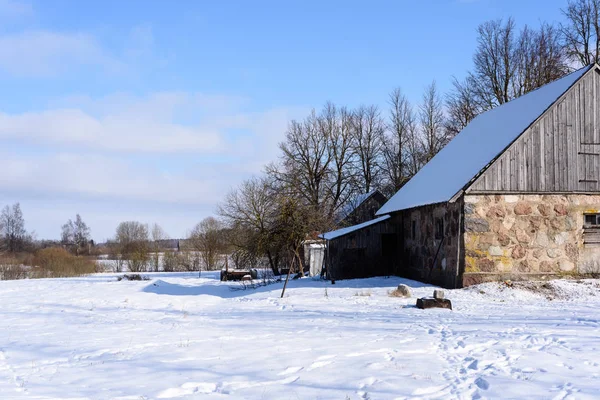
<point x="527" y="236"/>
<point x="418" y="258"/>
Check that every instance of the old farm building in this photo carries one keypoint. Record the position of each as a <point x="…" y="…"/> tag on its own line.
<point x="363" y="208"/>
<point x="515" y="195"/>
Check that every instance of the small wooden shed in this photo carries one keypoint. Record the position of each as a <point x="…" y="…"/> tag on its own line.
<point x="360" y="251"/>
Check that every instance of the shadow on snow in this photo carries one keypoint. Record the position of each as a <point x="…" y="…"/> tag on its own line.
<point x="213" y="287"/>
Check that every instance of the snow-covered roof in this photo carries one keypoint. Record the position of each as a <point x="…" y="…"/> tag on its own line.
<point x="480" y="142"/>
<point x="350" y="229"/>
<point x="355" y="203"/>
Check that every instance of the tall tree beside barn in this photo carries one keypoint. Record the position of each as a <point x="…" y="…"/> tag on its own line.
<point x="541" y="58"/>
<point x="495" y="62"/>
<point x="506" y="64"/>
<point x="319" y="162"/>
<point x="368" y="128"/>
<point x="336" y="125"/>
<point x="509" y="63"/>
<point x="462" y="105"/>
<point x="431" y="117"/>
<point x="305" y="162"/>
<point x="581" y="31"/>
<point x="401" y="130"/>
<point x="250" y="211"/>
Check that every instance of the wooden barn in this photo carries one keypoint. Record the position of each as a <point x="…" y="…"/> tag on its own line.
<point x="515" y="195"/>
<point x="363" y="208"/>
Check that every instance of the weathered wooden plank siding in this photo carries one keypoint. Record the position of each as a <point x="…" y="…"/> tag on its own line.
<point x="359" y="254"/>
<point x="559" y="153"/>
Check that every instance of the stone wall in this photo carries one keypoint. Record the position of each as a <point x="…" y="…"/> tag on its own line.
<point x="527" y="236"/>
<point x="418" y="258"/>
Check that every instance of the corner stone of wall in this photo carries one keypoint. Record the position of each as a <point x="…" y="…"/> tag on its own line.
<point x="527" y="235"/>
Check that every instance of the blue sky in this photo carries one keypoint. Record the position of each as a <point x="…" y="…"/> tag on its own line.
<point x="153" y="110"/>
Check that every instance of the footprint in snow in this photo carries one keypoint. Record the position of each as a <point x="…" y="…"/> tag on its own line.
<point x="367" y="382"/>
<point x="473" y="364"/>
<point x="482" y="383"/>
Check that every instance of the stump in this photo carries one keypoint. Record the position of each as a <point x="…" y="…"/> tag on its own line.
<point x="428" y="302"/>
<point x="246" y="278"/>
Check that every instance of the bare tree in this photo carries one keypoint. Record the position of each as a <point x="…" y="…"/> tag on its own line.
<point x="250" y="212"/>
<point x="316" y="163"/>
<point x="495" y="62"/>
<point x="396" y="148"/>
<point x="581" y="31"/>
<point x="461" y="106"/>
<point x="305" y="160"/>
<point x="207" y="239"/>
<point x="541" y="58"/>
<point x="335" y="124"/>
<point x="13" y="228"/>
<point x="367" y="129"/>
<point x="431" y="116"/>
<point x="508" y="64"/>
<point x="132" y="238"/>
<point x="75" y="235"/>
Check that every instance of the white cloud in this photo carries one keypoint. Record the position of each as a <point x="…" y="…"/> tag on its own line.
<point x="112" y="132"/>
<point x="45" y="53"/>
<point x="162" y="153"/>
<point x="105" y="177"/>
<point x="152" y="124"/>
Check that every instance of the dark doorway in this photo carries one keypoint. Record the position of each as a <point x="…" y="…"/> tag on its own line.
<point x="389" y="243"/>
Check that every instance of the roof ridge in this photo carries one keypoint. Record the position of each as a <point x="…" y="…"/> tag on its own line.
<point x="483" y="140"/>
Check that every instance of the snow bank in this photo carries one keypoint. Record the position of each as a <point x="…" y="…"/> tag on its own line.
<point x="579" y="290"/>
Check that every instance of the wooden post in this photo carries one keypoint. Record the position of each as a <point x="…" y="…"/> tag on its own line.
<point x="287" y="278"/>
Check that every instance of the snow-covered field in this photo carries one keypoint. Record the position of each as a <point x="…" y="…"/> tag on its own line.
<point x="177" y="336"/>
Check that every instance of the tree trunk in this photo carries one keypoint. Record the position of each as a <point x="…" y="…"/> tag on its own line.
<point x="272" y="264"/>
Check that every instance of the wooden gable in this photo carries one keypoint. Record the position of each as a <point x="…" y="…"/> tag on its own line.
<point x="559" y="152"/>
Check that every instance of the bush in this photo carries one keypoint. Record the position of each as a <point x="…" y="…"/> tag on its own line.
<point x="10" y="269"/>
<point x="58" y="262"/>
<point x="15" y="266"/>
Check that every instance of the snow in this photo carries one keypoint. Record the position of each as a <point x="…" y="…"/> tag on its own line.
<point x="355" y="203"/>
<point x="178" y="336"/>
<point x="477" y="145"/>
<point x="350" y="229"/>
